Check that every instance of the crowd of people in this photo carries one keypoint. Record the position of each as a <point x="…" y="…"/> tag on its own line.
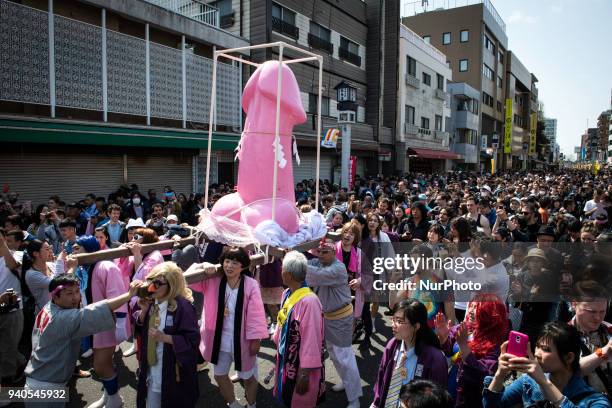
<point x="543" y="239"/>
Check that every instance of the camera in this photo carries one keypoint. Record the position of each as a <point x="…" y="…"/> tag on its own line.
<point x="143" y="292"/>
<point x="12" y="302"/>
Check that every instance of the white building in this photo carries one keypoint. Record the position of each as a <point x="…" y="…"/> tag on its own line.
<point x="423" y="106"/>
<point x="550" y="130"/>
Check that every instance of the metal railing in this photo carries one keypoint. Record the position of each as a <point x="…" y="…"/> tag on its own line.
<point x="440" y="94"/>
<point x="413" y="81"/>
<point x="286" y="28"/>
<point x="318" y="42"/>
<point x="410" y="129"/>
<point x="349" y="56"/>
<point x="194" y="9"/>
<point x="420" y="43"/>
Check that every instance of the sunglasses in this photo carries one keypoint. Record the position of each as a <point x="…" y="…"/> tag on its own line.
<point x="157" y="283"/>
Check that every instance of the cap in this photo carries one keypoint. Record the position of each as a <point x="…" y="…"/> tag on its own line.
<point x="422" y="197"/>
<point x="172" y="217"/>
<point x="546" y="230"/>
<point x="536" y="253"/>
<point x="135" y="223"/>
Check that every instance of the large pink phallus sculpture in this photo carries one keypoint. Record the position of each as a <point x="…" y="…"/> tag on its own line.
<point x="251" y="204"/>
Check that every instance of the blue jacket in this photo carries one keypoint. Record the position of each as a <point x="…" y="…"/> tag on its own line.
<point x="526" y="391"/>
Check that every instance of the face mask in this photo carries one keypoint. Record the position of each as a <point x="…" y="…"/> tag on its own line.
<point x="136" y="200"/>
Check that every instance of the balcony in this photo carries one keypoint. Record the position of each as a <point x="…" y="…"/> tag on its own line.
<point x="469" y="152"/>
<point x="410" y="129"/>
<point x="286" y="28"/>
<point x="193" y="9"/>
<point x="465" y="119"/>
<point x="349" y="56"/>
<point x="320" y="43"/>
<point x="413" y="81"/>
<point x="440" y="94"/>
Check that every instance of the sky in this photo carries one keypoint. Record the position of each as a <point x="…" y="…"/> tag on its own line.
<point x="567" y="45"/>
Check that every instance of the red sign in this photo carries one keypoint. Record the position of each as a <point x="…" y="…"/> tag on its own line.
<point x="352" y="171"/>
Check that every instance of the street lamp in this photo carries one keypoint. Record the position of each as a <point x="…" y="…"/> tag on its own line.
<point x="346" y="95"/>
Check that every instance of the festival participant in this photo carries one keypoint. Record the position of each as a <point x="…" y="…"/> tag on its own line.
<point x="58" y="330"/>
<point x="103" y="238"/>
<point x="349" y="253"/>
<point x="167" y="326"/>
<point x="478" y="339"/>
<point x="67" y="230"/>
<point x="424" y="393"/>
<point x="37" y="272"/>
<point x="328" y="277"/>
<point x="551" y="374"/>
<point x="413" y="352"/>
<point x="299" y="374"/>
<point x="415" y="227"/>
<point x="234" y="323"/>
<point x="99" y="281"/>
<point x="114" y="226"/>
<point x="473" y="214"/>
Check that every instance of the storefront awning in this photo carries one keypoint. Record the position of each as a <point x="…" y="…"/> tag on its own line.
<point x="29" y="130"/>
<point x="433" y="154"/>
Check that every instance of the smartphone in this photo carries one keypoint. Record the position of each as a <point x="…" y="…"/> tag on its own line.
<point x="517" y="344"/>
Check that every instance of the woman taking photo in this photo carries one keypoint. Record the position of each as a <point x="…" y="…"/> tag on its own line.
<point x="167" y="327"/>
<point x="552" y="374"/>
<point x="234" y="323"/>
<point x="413" y="352"/>
<point x="477" y="340"/>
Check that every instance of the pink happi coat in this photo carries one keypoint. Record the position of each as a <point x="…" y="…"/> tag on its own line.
<point x="107" y="283"/>
<point x="254" y="325"/>
<point x="354" y="266"/>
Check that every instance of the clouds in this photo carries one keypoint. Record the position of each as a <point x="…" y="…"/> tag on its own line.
<point x="518" y="17"/>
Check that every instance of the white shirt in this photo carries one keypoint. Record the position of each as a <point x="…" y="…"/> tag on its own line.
<point x="591" y="204"/>
<point x="8" y="280"/>
<point x="227" y="336"/>
<point x="155" y="372"/>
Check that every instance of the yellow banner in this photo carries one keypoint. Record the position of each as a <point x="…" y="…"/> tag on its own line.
<point x="508" y="127"/>
<point x="532" y="133"/>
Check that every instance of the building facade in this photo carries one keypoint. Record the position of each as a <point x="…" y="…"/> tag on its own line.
<point x="350" y="41"/>
<point x="423" y="107"/>
<point x="550" y="130"/>
<point x="99" y="93"/>
<point x="603" y="128"/>
<point x="465" y="124"/>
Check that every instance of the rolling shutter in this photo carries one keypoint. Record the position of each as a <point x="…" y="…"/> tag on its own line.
<point x="37" y="176"/>
<point x="157" y="171"/>
<point x="308" y="167"/>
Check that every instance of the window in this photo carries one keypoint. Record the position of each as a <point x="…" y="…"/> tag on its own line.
<point x="283" y="14"/>
<point x="489" y="44"/>
<point x="424" y="122"/>
<point x="427" y="39"/>
<point x="438" y="123"/>
<point x="464" y="35"/>
<point x="487" y="99"/>
<point x="487" y="71"/>
<point x="410" y="114"/>
<point x="440" y="82"/>
<point x="312" y="104"/>
<point x="410" y="66"/>
<point x="320" y="31"/>
<point x="320" y="37"/>
<point x="500" y="57"/>
<point x="349" y="51"/>
<point x="283" y="21"/>
<point x="499" y="106"/>
<point x="500" y="82"/>
<point x="446" y="38"/>
<point x="463" y="65"/>
<point x="426" y="79"/>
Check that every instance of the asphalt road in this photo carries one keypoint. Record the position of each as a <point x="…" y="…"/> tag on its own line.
<point x="85" y="391"/>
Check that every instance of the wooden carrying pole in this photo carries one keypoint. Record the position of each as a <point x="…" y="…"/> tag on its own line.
<point x="257" y="259"/>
